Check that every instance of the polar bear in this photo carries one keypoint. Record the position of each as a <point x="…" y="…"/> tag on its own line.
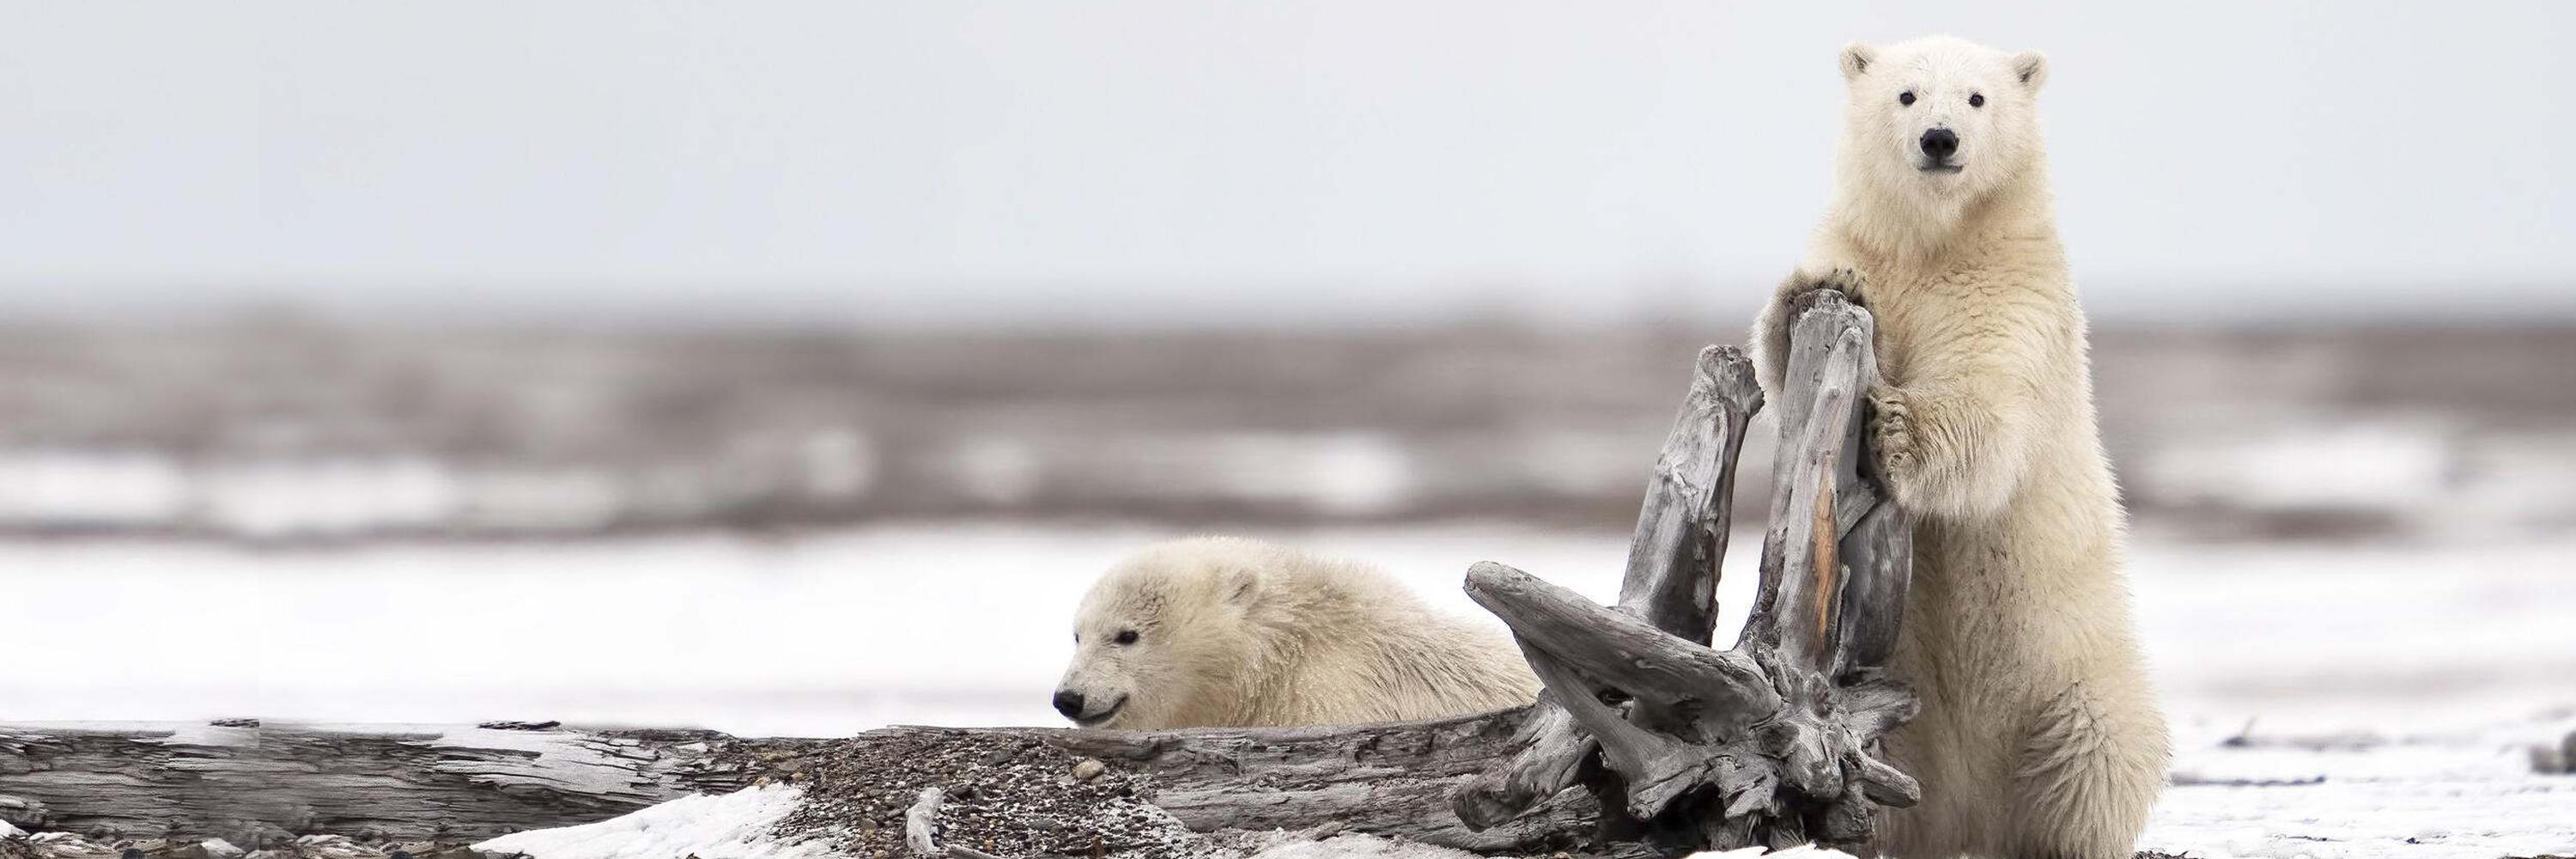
<point x="1222" y="631"/>
<point x="2039" y="735"/>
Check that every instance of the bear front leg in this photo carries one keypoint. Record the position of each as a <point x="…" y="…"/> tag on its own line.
<point x="1946" y="451"/>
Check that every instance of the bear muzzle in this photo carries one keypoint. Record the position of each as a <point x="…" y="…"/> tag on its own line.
<point x="1938" y="146"/>
<point x="1074" y="706"/>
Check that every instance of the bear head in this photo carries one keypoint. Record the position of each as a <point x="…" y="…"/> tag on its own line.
<point x="1938" y="123"/>
<point x="1167" y="637"/>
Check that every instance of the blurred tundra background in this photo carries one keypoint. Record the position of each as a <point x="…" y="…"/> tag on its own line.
<point x="793" y="368"/>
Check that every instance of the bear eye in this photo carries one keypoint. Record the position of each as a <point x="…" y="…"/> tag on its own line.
<point x="1976" y="99"/>
<point x="1905" y="98"/>
<point x="1126" y="636"/>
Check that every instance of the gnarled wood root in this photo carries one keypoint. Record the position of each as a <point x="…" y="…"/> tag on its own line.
<point x="1772" y="743"/>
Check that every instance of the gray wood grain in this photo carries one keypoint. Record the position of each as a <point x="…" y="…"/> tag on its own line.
<point x="251" y="784"/>
<point x="1673" y="561"/>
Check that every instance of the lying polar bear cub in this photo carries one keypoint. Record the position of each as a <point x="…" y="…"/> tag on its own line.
<point x="1223" y="631"/>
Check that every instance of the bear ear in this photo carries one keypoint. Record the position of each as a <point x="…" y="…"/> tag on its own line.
<point x="1239" y="586"/>
<point x="2032" y="68"/>
<point x="1857" y="58"/>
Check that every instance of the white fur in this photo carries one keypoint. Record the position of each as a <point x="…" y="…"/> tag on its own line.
<point x="1235" y="632"/>
<point x="2039" y="735"/>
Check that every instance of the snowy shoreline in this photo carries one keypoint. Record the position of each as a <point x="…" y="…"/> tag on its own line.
<point x="2390" y="687"/>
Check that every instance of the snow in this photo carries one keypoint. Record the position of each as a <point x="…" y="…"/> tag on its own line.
<point x="1348" y="473"/>
<point x="8" y="831"/>
<point x="2394" y="639"/>
<point x="1803" y="852"/>
<point x="821" y="636"/>
<point x="2387" y="465"/>
<point x="328" y="497"/>
<point x="337" y="497"/>
<point x="90" y="489"/>
<point x="2470" y="797"/>
<point x="968" y="625"/>
<point x="729" y="826"/>
<point x="1342" y="473"/>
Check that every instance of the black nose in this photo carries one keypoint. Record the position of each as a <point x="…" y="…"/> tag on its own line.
<point x="1069" y="703"/>
<point x="1940" y="144"/>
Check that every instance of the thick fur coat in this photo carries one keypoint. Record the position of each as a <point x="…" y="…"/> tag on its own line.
<point x="1219" y="631"/>
<point x="2039" y="736"/>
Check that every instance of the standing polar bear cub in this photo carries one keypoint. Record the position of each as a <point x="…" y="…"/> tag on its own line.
<point x="1220" y="631"/>
<point x="2039" y="735"/>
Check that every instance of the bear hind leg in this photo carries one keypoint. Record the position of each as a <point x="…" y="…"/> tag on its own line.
<point x="2089" y="774"/>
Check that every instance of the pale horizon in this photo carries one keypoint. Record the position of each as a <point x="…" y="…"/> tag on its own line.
<point x="1175" y="164"/>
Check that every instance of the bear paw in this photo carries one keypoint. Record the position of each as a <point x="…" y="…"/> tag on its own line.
<point x="1798" y="292"/>
<point x="1891" y="435"/>
<point x="1797" y="295"/>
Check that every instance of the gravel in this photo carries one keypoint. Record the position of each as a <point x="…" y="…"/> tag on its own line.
<point x="1006" y="796"/>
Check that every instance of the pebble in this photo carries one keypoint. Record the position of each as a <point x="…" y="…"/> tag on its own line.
<point x="1088" y="769"/>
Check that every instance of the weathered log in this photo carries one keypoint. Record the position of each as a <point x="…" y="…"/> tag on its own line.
<point x="263" y="785"/>
<point x="1673" y="561"/>
<point x="1772" y="743"/>
<point x="251" y="784"/>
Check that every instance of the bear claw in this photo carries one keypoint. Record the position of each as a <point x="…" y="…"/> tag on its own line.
<point x="1891" y="433"/>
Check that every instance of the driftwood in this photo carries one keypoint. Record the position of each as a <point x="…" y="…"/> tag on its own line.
<point x="250" y="784"/>
<point x="264" y="785"/>
<point x="1646" y="743"/>
<point x="1772" y="743"/>
<point x="1671" y="581"/>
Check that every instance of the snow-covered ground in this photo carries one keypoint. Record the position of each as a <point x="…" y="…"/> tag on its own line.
<point x="819" y="636"/>
<point x="2448" y="656"/>
<point x="738" y="825"/>
<point x="830" y="634"/>
<point x="2466" y="796"/>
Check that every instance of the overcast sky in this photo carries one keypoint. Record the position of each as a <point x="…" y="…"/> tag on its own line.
<point x="1227" y="161"/>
